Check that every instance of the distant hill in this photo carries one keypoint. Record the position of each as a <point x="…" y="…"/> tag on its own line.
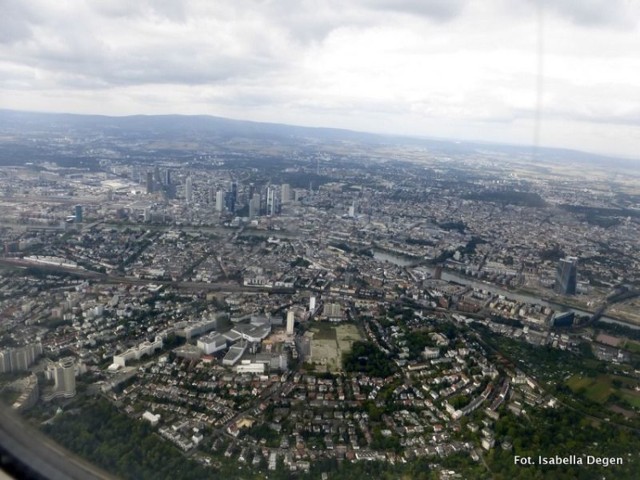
<point x="167" y="125"/>
<point x="191" y="127"/>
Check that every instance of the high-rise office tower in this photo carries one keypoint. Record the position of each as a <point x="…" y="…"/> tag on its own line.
<point x="167" y="176"/>
<point x="219" y="200"/>
<point x="254" y="205"/>
<point x="263" y="202"/>
<point x="188" y="190"/>
<point x="567" y="276"/>
<point x="230" y="202"/>
<point x="285" y="194"/>
<point x="271" y="201"/>
<point x="231" y="198"/>
<point x="78" y="213"/>
<point x="149" y="182"/>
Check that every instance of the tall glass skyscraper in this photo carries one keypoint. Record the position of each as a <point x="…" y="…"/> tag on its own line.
<point x="567" y="276"/>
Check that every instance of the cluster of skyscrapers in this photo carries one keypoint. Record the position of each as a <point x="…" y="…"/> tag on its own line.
<point x="267" y="201"/>
<point x="157" y="180"/>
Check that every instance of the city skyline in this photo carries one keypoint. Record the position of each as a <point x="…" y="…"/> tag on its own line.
<point x="463" y="70"/>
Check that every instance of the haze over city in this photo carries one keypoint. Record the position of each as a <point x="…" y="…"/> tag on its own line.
<point x="458" y="69"/>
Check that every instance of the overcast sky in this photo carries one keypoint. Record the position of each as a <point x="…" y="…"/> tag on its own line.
<point x="463" y="69"/>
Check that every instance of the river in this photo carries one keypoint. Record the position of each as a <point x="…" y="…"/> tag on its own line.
<point x="450" y="276"/>
<point x="384" y="256"/>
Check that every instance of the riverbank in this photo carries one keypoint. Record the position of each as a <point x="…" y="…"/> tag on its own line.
<point x="519" y="295"/>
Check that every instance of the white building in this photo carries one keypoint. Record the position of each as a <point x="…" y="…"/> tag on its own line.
<point x="252" y="333"/>
<point x="151" y="418"/>
<point x="212" y="343"/>
<point x="219" y="200"/>
<point x="430" y="353"/>
<point x="135" y="353"/>
<point x="64" y="376"/>
<point x="271" y="201"/>
<point x="333" y="311"/>
<point x="247" y="366"/>
<point x="290" y="321"/>
<point x="191" y="329"/>
<point x="233" y="355"/>
<point x="188" y="190"/>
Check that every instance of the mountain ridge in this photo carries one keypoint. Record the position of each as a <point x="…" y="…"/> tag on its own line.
<point x="158" y="125"/>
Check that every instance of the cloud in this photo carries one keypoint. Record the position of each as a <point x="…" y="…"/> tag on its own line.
<point x="599" y="103"/>
<point x="131" y="43"/>
<point x="591" y="13"/>
<point x="406" y="66"/>
<point x="166" y="9"/>
<point x="16" y="21"/>
<point x="440" y="10"/>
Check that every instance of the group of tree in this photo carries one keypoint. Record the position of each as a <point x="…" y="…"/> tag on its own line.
<point x="122" y="446"/>
<point x="563" y="432"/>
<point x="367" y="358"/>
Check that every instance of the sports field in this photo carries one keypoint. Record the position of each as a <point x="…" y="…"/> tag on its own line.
<point x="330" y="342"/>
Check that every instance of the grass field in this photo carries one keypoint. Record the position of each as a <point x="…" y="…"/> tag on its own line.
<point x="324" y="331"/>
<point x="595" y="389"/>
<point x="632" y="346"/>
<point x="600" y="388"/>
<point x="330" y="342"/>
<point x="576" y="382"/>
<point x="631" y="396"/>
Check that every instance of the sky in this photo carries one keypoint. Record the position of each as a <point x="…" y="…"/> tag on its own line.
<point x="461" y="69"/>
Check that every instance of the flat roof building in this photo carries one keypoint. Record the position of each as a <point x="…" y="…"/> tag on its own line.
<point x="234" y="354"/>
<point x="212" y="343"/>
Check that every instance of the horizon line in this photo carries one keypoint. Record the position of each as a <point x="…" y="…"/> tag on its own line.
<point x="452" y="140"/>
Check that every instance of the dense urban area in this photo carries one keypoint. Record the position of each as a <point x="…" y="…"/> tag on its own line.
<point x="297" y="304"/>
